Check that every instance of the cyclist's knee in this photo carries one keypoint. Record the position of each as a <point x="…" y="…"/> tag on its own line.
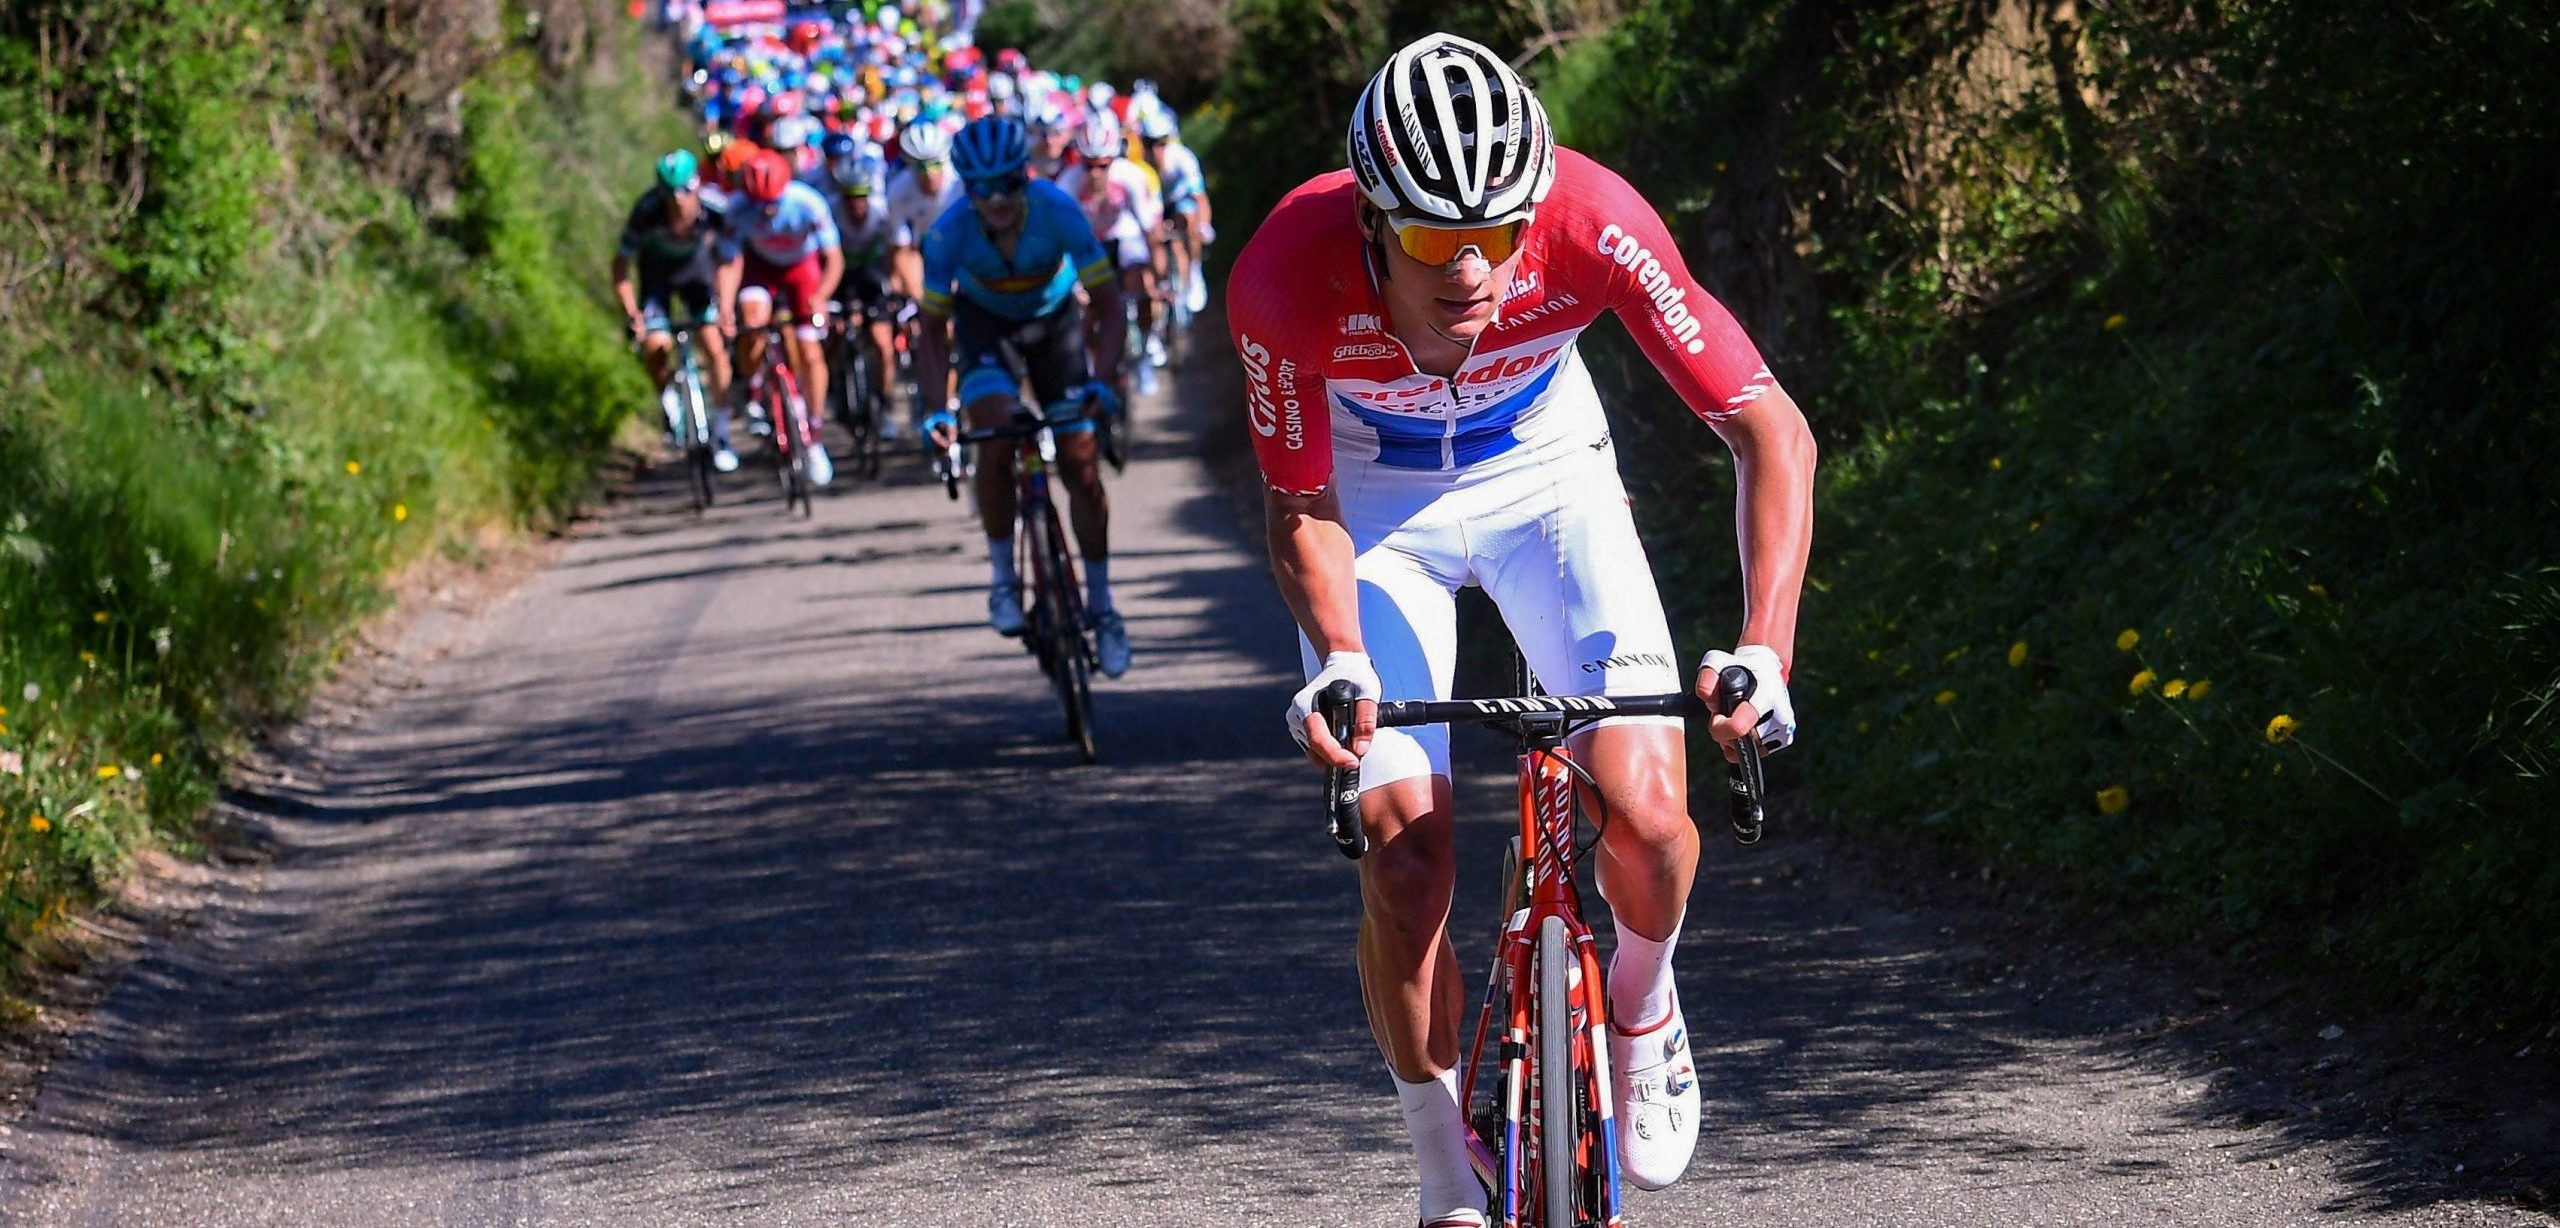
<point x="1412" y="871"/>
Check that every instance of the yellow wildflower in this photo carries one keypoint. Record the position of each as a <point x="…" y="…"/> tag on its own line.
<point x="2113" y="799"/>
<point x="1945" y="698"/>
<point x="2316" y="590"/>
<point x="400" y="511"/>
<point x="37" y="822"/>
<point x="1995" y="464"/>
<point x="155" y="758"/>
<point x="2017" y="654"/>
<point x="2280" y="730"/>
<point x="88" y="658"/>
<point x="354" y="468"/>
<point x="2115" y="321"/>
<point x="2201" y="686"/>
<point x="1874" y="653"/>
<point x="102" y="617"/>
<point x="2141" y="684"/>
<point x="2173" y="688"/>
<point x="2126" y="639"/>
<point x="109" y="771"/>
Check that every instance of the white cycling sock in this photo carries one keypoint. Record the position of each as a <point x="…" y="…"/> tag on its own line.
<point x="1000" y="553"/>
<point x="1097" y="585"/>
<point x="1438" y="1126"/>
<point x="1640" y="989"/>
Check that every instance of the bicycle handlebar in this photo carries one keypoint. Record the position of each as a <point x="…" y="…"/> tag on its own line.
<point x="1746" y="779"/>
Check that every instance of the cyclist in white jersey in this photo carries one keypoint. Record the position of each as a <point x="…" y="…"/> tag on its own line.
<point x="1425" y="422"/>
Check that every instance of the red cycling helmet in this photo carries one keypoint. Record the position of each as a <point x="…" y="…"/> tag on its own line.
<point x="766" y="177"/>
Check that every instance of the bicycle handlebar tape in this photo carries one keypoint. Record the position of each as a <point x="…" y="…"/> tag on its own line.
<point x="1744" y="778"/>
<point x="1340" y="703"/>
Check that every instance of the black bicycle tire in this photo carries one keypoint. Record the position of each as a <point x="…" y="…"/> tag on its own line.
<point x="1556" y="1117"/>
<point x="697" y="449"/>
<point x="1074" y="678"/>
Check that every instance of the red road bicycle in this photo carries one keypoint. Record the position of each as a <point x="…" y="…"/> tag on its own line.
<point x="795" y="432"/>
<point x="1544" y="1135"/>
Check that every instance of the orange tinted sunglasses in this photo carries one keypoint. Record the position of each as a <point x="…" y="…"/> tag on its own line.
<point x="1439" y="245"/>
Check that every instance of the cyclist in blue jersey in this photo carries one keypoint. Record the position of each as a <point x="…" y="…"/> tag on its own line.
<point x="1003" y="267"/>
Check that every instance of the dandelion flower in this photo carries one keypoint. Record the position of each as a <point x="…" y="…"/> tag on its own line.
<point x="1995" y="464"/>
<point x="2173" y="688"/>
<point x="155" y="758"/>
<point x="2115" y="321"/>
<point x="39" y="823"/>
<point x="2017" y="654"/>
<point x="88" y="658"/>
<point x="102" y="618"/>
<point x="2141" y="684"/>
<point x="2113" y="799"/>
<point x="2280" y="730"/>
<point x="2201" y="686"/>
<point x="1945" y="698"/>
<point x="400" y="512"/>
<point x="2126" y="639"/>
<point x="109" y="771"/>
<point x="354" y="468"/>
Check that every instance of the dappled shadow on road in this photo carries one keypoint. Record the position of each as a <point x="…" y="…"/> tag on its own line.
<point x="537" y="916"/>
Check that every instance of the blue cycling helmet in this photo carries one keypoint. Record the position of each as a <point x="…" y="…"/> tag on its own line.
<point x="837" y="145"/>
<point x="990" y="147"/>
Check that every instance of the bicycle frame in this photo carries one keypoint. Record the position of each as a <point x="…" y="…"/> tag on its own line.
<point x="1547" y="779"/>
<point x="1542" y="895"/>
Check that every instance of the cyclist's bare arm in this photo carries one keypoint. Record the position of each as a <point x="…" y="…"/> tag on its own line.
<point x="830" y="273"/>
<point x="1773" y="457"/>
<point x="1311" y="556"/>
<point x="623" y="291"/>
<point x="724" y="283"/>
<point x="1104" y="316"/>
<point x="933" y="350"/>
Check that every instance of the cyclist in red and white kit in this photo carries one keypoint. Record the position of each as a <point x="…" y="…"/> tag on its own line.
<point x="1425" y="422"/>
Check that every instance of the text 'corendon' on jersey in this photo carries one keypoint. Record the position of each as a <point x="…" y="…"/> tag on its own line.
<point x="1324" y="379"/>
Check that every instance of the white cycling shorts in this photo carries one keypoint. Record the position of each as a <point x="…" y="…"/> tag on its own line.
<point x="1552" y="541"/>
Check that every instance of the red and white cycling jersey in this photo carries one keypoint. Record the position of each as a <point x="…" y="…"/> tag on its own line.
<point x="1326" y="381"/>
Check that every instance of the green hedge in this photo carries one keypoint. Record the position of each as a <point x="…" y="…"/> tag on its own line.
<point x="2217" y="332"/>
<point x="245" y="401"/>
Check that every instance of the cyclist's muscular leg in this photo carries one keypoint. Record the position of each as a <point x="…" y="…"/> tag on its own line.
<point x="1649" y="854"/>
<point x="995" y="468"/>
<point x="809" y="363"/>
<point x="1408" y="971"/>
<point x="1087" y="508"/>
<point x="657" y="353"/>
<point x="754" y="312"/>
<point x="715" y="361"/>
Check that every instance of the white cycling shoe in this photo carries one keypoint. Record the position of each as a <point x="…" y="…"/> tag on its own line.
<point x="724" y="460"/>
<point x="1155" y="352"/>
<point x="822" y="468"/>
<point x="1656" y="1086"/>
<point x="1004" y="611"/>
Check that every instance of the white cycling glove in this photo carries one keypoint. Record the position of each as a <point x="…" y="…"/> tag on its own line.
<point x="1338" y="666"/>
<point x="1768" y="690"/>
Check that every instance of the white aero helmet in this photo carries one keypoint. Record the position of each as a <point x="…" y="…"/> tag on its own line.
<point x="1101" y="138"/>
<point x="925" y="142"/>
<point x="1447" y="132"/>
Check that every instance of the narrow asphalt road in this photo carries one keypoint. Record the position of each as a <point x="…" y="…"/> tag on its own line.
<point x="733" y="873"/>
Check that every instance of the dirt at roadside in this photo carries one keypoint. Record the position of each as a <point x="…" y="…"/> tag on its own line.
<point x="434" y="612"/>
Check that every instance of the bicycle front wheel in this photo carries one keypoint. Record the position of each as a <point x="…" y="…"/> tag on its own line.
<point x="1557" y="1145"/>
<point x="697" y="442"/>
<point x="1073" y="672"/>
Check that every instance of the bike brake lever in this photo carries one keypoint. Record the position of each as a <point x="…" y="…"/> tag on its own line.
<point x="1744" y="778"/>
<point x="1339" y="703"/>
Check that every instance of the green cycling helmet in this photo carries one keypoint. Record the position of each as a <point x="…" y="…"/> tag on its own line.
<point x="676" y="170"/>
